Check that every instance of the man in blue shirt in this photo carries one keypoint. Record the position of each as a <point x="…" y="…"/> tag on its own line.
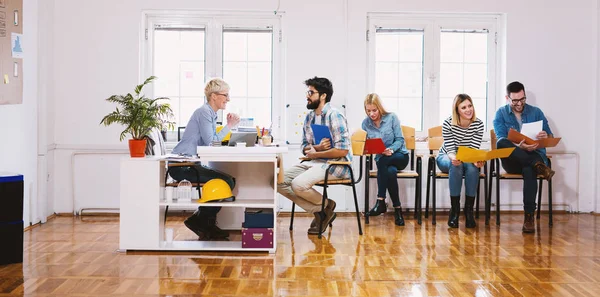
<point x="528" y="160"/>
<point x="201" y="131"/>
<point x="299" y="180"/>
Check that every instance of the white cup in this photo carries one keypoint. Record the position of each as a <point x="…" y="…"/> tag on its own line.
<point x="169" y="194"/>
<point x="169" y="235"/>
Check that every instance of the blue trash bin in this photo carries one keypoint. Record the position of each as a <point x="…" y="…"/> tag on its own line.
<point x="11" y="218"/>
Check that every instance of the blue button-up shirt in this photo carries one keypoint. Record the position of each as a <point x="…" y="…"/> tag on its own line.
<point x="389" y="131"/>
<point x="200" y="131"/>
<point x="505" y="119"/>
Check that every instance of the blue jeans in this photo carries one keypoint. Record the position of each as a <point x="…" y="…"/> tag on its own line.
<point x="387" y="170"/>
<point x="456" y="173"/>
<point x="521" y="162"/>
<point x="206" y="174"/>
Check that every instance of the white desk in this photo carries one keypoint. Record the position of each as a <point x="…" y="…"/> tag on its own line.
<point x="143" y="204"/>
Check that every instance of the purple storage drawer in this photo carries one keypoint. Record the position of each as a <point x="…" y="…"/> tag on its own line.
<point x="257" y="238"/>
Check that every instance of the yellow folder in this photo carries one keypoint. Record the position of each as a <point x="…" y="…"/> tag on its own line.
<point x="470" y="155"/>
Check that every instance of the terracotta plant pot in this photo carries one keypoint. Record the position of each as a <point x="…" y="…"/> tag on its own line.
<point x="137" y="148"/>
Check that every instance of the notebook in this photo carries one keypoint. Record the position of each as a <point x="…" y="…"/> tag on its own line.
<point x="374" y="146"/>
<point x="320" y="132"/>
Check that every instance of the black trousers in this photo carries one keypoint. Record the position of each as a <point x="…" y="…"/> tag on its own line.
<point x="521" y="162"/>
<point x="206" y="174"/>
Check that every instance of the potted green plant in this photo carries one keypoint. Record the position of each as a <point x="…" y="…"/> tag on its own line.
<point x="139" y="115"/>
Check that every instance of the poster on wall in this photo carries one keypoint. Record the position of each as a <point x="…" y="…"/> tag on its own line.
<point x="12" y="52"/>
<point x="16" y="45"/>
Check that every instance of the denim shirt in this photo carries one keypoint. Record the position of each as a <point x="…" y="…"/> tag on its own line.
<point x="505" y="119"/>
<point x="389" y="131"/>
<point x="200" y="131"/>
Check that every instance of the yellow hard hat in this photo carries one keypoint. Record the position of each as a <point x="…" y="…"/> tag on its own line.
<point x="226" y="138"/>
<point x="216" y="190"/>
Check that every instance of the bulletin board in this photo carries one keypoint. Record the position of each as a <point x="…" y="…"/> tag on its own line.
<point x="11" y="52"/>
<point x="295" y="116"/>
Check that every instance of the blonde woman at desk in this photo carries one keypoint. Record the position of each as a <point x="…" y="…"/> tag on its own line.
<point x="463" y="128"/>
<point x="385" y="125"/>
<point x="201" y="131"/>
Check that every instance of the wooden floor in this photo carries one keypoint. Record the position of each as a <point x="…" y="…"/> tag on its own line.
<point x="78" y="257"/>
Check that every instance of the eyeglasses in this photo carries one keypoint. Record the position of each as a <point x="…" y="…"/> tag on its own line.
<point x="516" y="101"/>
<point x="309" y="93"/>
<point x="226" y="95"/>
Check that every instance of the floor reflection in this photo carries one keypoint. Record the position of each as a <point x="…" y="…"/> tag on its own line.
<point x="77" y="257"/>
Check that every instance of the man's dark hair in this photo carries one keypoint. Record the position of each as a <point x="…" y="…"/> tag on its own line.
<point x="514" y="87"/>
<point x="322" y="85"/>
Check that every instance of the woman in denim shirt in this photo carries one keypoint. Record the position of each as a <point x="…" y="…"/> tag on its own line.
<point x="463" y="128"/>
<point x="385" y="125"/>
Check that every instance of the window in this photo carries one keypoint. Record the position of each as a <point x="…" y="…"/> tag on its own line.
<point x="185" y="51"/>
<point x="418" y="63"/>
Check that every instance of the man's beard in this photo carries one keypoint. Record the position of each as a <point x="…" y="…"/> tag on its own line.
<point x="313" y="104"/>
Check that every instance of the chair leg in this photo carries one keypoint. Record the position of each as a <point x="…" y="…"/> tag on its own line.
<point x="490" y="188"/>
<point x="416" y="201"/>
<point x="433" y="196"/>
<point x="498" y="197"/>
<point x="539" y="202"/>
<point x="427" y="191"/>
<point x="550" y="223"/>
<point x="323" y="206"/>
<point x="485" y="194"/>
<point x="292" y="218"/>
<point x="419" y="191"/>
<point x="477" y="201"/>
<point x="166" y="210"/>
<point x="356" y="207"/>
<point x="367" y="181"/>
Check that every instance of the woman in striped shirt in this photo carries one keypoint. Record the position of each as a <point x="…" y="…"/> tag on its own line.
<point x="463" y="128"/>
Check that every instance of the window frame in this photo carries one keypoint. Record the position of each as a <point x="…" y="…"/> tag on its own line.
<point x="214" y="23"/>
<point x="432" y="24"/>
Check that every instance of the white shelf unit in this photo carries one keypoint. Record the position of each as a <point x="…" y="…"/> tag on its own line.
<point x="143" y="204"/>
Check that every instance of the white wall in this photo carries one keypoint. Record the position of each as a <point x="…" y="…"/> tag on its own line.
<point x="95" y="53"/>
<point x="597" y="120"/>
<point x="18" y="147"/>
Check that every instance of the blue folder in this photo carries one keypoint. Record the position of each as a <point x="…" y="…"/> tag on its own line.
<point x="320" y="132"/>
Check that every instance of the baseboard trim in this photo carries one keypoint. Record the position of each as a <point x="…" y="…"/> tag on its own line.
<point x="28" y="228"/>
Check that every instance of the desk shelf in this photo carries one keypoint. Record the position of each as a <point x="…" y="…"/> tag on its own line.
<point x="254" y="203"/>
<point x="226" y="246"/>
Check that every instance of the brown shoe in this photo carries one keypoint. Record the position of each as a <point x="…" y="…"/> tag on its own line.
<point x="543" y="170"/>
<point x="313" y="225"/>
<point x="529" y="223"/>
<point x="327" y="217"/>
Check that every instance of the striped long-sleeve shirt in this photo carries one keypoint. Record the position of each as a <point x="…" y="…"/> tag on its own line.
<point x="455" y="136"/>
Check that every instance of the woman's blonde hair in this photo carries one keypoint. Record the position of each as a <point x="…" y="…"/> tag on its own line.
<point x="460" y="98"/>
<point x="374" y="99"/>
<point x="215" y="85"/>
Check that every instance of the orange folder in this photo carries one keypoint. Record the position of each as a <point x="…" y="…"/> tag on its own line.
<point x="516" y="137"/>
<point x="374" y="146"/>
<point x="471" y="155"/>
